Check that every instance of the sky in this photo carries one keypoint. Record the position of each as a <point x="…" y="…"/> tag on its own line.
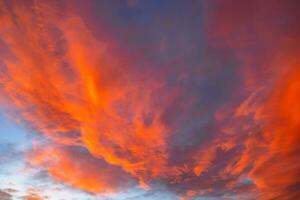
<point x="149" y="99"/>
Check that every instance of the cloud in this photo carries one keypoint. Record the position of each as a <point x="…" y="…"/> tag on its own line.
<point x="76" y="167"/>
<point x="273" y="152"/>
<point x="266" y="117"/>
<point x="5" y="195"/>
<point x="203" y="104"/>
<point x="33" y="197"/>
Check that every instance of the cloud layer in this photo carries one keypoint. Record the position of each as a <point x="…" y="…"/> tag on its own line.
<point x="200" y="98"/>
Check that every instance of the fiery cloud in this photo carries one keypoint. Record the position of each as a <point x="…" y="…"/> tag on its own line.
<point x="103" y="109"/>
<point x="96" y="177"/>
<point x="32" y="197"/>
<point x="273" y="152"/>
<point x="211" y="117"/>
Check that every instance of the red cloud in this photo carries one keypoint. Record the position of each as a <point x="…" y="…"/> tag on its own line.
<point x="81" y="95"/>
<point x="109" y="123"/>
<point x="32" y="197"/>
<point x="78" y="168"/>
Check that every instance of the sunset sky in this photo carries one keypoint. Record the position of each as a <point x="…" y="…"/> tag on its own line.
<point x="149" y="100"/>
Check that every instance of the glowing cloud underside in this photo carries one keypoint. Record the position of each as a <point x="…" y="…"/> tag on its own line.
<point x="222" y="123"/>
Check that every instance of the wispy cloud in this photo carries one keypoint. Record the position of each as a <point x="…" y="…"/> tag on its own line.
<point x="198" y="99"/>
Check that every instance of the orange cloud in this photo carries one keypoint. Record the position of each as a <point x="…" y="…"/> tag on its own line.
<point x="109" y="124"/>
<point x="274" y="153"/>
<point x="266" y="124"/>
<point x="33" y="197"/>
<point x="75" y="167"/>
<point x="67" y="85"/>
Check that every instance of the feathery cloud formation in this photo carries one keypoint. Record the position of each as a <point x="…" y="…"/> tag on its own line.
<point x="204" y="103"/>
